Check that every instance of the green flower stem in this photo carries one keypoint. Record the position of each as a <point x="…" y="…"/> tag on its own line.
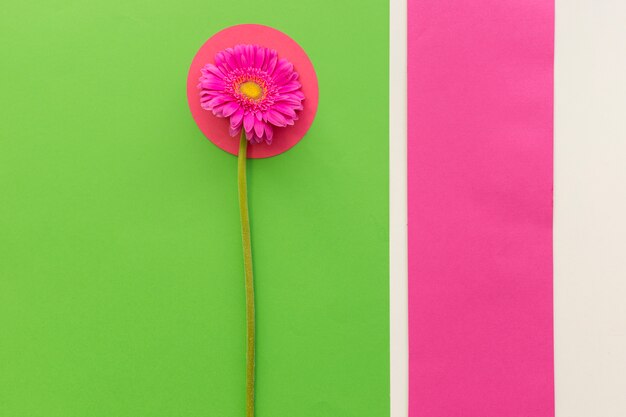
<point x="247" y="266"/>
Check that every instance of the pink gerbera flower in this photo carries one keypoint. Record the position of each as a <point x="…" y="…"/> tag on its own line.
<point x="252" y="87"/>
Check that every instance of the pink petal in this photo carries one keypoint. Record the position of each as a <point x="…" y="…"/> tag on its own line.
<point x="212" y="84"/>
<point x="269" y="134"/>
<point x="248" y="122"/>
<point x="259" y="128"/>
<point x="286" y="110"/>
<point x="259" y="57"/>
<point x="218" y="110"/>
<point x="234" y="131"/>
<point x="282" y="63"/>
<point x="216" y="101"/>
<point x="272" y="64"/>
<point x="269" y="53"/>
<point x="208" y="92"/>
<point x="291" y="101"/>
<point x="237" y="118"/>
<point x="287" y="88"/>
<point x="250" y="55"/>
<point x="230" y="108"/>
<point x="214" y="70"/>
<point x="230" y="58"/>
<point x="205" y="98"/>
<point x="283" y="71"/>
<point x="276" y="118"/>
<point x="220" y="60"/>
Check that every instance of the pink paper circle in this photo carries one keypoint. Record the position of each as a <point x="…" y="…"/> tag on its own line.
<point x="215" y="128"/>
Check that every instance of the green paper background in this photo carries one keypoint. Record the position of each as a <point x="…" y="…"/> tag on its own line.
<point x="121" y="280"/>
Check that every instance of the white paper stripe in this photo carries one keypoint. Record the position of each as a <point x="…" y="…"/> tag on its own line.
<point x="398" y="273"/>
<point x="590" y="208"/>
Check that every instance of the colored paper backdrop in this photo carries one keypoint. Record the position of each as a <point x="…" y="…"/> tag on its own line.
<point x="480" y="137"/>
<point x="121" y="281"/>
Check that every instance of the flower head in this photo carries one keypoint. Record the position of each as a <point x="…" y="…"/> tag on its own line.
<point x="254" y="88"/>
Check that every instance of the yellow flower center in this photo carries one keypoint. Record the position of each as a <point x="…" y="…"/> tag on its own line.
<point x="251" y="89"/>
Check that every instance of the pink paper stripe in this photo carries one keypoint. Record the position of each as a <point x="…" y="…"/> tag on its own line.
<point x="480" y="208"/>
